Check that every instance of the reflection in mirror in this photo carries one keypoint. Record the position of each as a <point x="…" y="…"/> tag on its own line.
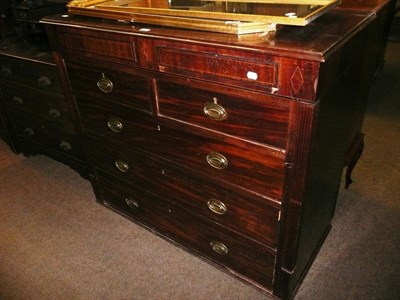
<point x="229" y="16"/>
<point x="246" y="7"/>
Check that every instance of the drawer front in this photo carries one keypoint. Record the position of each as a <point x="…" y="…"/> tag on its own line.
<point x="255" y="168"/>
<point x="252" y="116"/>
<point x="116" y="122"/>
<point x="34" y="75"/>
<point x="111" y="83"/>
<point x="52" y="107"/>
<point x="271" y="73"/>
<point x="49" y="135"/>
<point x="112" y="47"/>
<point x="250" y="69"/>
<point x="255" y="217"/>
<point x="209" y="239"/>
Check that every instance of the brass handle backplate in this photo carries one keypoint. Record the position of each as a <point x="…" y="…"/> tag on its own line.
<point x="54" y="113"/>
<point x="131" y="203"/>
<point x="115" y="125"/>
<point x="122" y="165"/>
<point x="17" y="100"/>
<point x="217" y="206"/>
<point x="218" y="247"/>
<point x="65" y="146"/>
<point x="215" y="111"/>
<point x="105" y="85"/>
<point x="29" y="131"/>
<point x="5" y="72"/>
<point x="44" y="81"/>
<point x="217" y="160"/>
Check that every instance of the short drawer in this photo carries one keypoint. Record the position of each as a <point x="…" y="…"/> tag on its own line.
<point x="112" y="47"/>
<point x="112" y="83"/>
<point x="248" y="115"/>
<point x="233" y="251"/>
<point x="115" y="122"/>
<point x="53" y="106"/>
<point x="31" y="74"/>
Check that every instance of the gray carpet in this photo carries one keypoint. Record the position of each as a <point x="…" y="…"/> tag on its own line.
<point x="57" y="243"/>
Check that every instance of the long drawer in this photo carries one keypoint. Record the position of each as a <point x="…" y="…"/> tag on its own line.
<point x="254" y="167"/>
<point x="253" y="116"/>
<point x="233" y="251"/>
<point x="249" y="215"/>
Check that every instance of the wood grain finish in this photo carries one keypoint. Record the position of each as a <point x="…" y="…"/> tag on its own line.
<point x="251" y="69"/>
<point x="243" y="256"/>
<point x="253" y="116"/>
<point x="252" y="216"/>
<point x="101" y="45"/>
<point x="258" y="125"/>
<point x="128" y="88"/>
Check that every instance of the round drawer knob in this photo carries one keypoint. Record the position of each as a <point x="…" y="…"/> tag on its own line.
<point x="122" y="165"/>
<point x="29" y="131"/>
<point x="54" y="113"/>
<point x="215" y="111"/>
<point x="65" y="146"/>
<point x="105" y="85"/>
<point x="115" y="125"/>
<point x="218" y="247"/>
<point x="217" y="160"/>
<point x="44" y="81"/>
<point x="217" y="206"/>
<point x="131" y="203"/>
<point x="17" y="100"/>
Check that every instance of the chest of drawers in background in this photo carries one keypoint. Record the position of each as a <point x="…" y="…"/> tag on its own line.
<point x="233" y="150"/>
<point x="33" y="99"/>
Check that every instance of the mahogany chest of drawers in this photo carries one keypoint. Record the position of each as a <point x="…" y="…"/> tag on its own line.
<point x="39" y="116"/>
<point x="232" y="147"/>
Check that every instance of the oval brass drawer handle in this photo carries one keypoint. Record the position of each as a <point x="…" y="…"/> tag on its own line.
<point x="122" y="165"/>
<point x="115" y="125"/>
<point x="54" y="113"/>
<point x="217" y="160"/>
<point x="17" y="100"/>
<point x="217" y="206"/>
<point x="131" y="203"/>
<point x="29" y="131"/>
<point x="220" y="248"/>
<point x="65" y="146"/>
<point x="5" y="72"/>
<point x="44" y="81"/>
<point x="215" y="111"/>
<point x="105" y="85"/>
